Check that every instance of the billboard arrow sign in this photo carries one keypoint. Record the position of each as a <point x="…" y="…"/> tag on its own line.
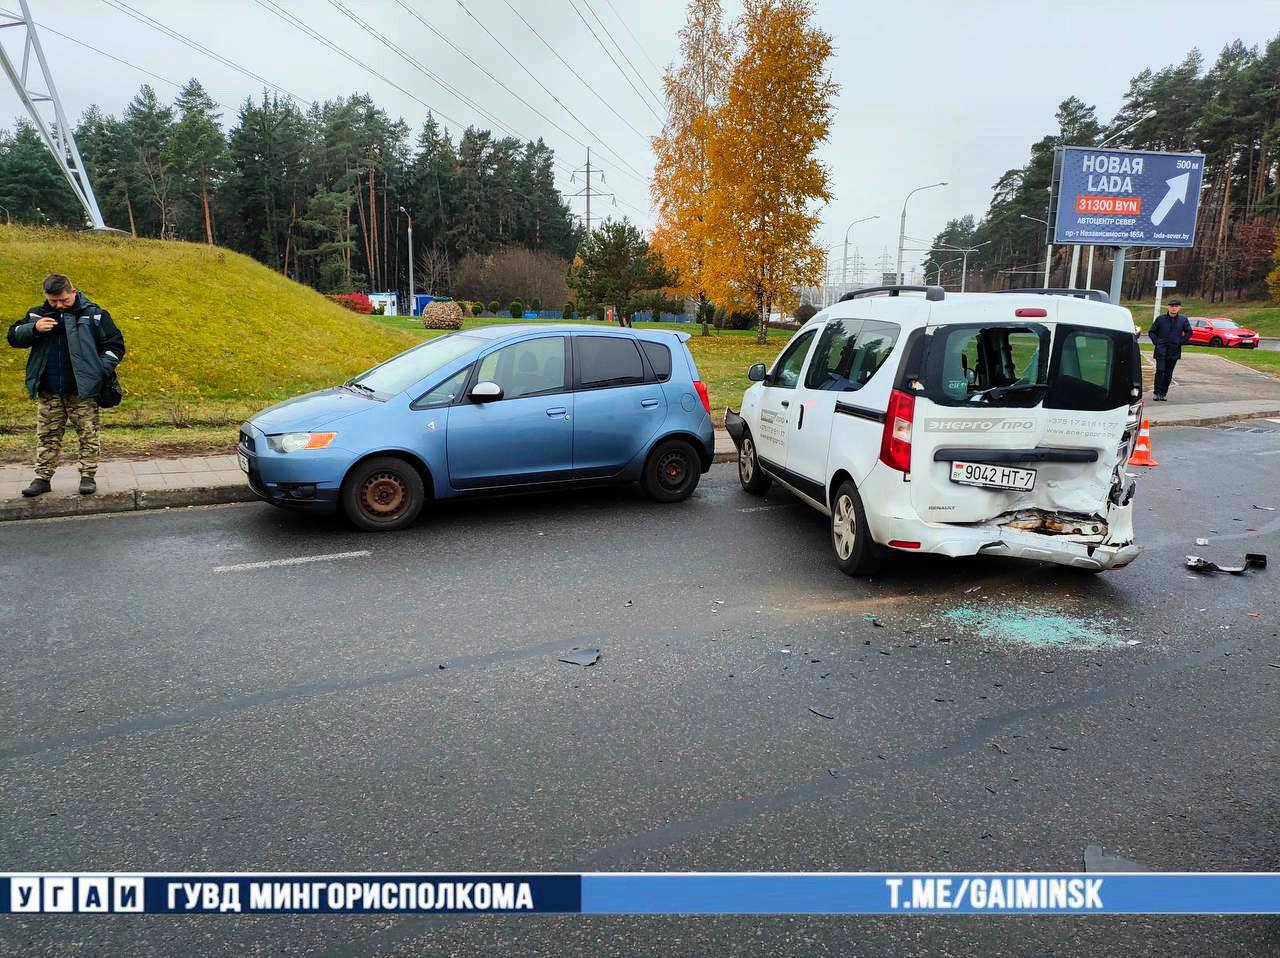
<point x="1177" y="194"/>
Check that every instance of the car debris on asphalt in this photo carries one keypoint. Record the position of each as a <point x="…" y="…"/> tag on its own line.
<point x="583" y="657"/>
<point x="1097" y="860"/>
<point x="1252" y="560"/>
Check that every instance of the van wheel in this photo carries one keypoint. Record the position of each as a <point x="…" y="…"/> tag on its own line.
<point x="856" y="553"/>
<point x="754" y="479"/>
<point x="1216" y="341"/>
<point x="383" y="494"/>
<point x="672" y="471"/>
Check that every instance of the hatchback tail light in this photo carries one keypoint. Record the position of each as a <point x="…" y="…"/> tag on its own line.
<point x="703" y="394"/>
<point x="895" y="444"/>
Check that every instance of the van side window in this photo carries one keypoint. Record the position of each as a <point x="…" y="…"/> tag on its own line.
<point x="849" y="353"/>
<point x="970" y="361"/>
<point x="786" y="372"/>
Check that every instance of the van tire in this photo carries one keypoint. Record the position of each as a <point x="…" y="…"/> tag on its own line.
<point x="672" y="471"/>
<point x="383" y="494"/>
<point x="856" y="553"/>
<point x="754" y="479"/>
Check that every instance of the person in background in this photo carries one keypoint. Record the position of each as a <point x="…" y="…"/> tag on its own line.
<point x="74" y="344"/>
<point x="1170" y="332"/>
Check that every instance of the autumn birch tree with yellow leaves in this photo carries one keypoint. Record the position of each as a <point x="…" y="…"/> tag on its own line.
<point x="745" y="218"/>
<point x="694" y="88"/>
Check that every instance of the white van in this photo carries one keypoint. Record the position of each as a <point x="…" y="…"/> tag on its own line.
<point x="957" y="424"/>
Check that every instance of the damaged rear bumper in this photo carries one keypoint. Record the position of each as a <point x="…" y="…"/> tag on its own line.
<point x="735" y="425"/>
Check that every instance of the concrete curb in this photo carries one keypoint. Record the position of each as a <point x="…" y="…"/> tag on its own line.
<point x="1213" y="420"/>
<point x="52" y="506"/>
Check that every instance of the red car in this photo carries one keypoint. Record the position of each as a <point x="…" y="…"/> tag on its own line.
<point x="1221" y="332"/>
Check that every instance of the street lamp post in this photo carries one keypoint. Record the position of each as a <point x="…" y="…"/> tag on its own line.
<point x="1048" y="249"/>
<point x="412" y="299"/>
<point x="844" y="263"/>
<point x="902" y="225"/>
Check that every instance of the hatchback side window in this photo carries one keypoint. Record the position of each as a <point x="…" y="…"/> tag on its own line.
<point x="659" y="359"/>
<point x="786" y="372"/>
<point x="534" y="367"/>
<point x="445" y="393"/>
<point x="608" y="361"/>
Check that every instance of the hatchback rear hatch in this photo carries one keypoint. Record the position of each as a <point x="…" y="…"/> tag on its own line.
<point x="1024" y="414"/>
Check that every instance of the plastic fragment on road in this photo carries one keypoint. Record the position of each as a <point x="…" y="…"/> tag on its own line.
<point x="1266" y="508"/>
<point x="583" y="657"/>
<point x="1252" y="560"/>
<point x="1202" y="542"/>
<point x="823" y="712"/>
<point x="1097" y="860"/>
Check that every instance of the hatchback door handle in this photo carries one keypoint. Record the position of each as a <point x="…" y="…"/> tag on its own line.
<point x="648" y="403"/>
<point x="557" y="411"/>
<point x="786" y="403"/>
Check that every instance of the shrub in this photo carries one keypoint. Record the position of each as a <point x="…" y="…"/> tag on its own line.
<point x="442" y="314"/>
<point x="737" y="319"/>
<point x="380" y="309"/>
<point x="356" y="302"/>
<point x="476" y="309"/>
<point x="517" y="309"/>
<point x="568" y="311"/>
<point x="535" y="304"/>
<point x="805" y="312"/>
<point x="493" y="306"/>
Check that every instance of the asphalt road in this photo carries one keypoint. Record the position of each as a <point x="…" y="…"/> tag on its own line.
<point x="158" y="714"/>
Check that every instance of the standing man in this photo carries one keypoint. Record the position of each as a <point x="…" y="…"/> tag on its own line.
<point x="1170" y="332"/>
<point x="74" y="345"/>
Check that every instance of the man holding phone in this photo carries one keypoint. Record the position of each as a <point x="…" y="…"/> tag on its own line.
<point x="74" y="345"/>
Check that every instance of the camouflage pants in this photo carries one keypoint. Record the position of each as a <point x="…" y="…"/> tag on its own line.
<point x="52" y="415"/>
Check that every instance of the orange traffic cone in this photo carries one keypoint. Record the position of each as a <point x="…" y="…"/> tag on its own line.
<point x="1142" y="448"/>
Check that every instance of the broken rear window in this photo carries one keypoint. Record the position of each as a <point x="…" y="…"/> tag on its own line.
<point x="1001" y="364"/>
<point x="1093" y="369"/>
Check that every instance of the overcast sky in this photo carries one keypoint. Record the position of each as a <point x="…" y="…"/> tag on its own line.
<point x="928" y="90"/>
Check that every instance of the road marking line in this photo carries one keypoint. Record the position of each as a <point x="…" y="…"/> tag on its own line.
<point x="786" y="505"/>
<point x="1269" y="452"/>
<point x="298" y="560"/>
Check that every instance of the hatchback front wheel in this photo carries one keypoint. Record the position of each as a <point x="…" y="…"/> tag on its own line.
<point x="383" y="494"/>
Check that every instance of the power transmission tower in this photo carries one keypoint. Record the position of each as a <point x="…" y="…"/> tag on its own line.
<point x="57" y="135"/>
<point x="587" y="191"/>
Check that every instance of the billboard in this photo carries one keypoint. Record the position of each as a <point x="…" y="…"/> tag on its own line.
<point x="1127" y="197"/>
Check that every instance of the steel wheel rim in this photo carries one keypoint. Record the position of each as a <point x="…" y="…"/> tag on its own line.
<point x="384" y="495"/>
<point x="843" y="527"/>
<point x="746" y="461"/>
<point x="673" y="469"/>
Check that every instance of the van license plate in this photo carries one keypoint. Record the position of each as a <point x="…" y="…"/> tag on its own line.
<point x="993" y="477"/>
<point x="243" y="460"/>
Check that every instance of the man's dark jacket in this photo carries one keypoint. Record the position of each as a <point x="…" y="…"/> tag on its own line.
<point x="90" y="333"/>
<point x="1169" y="331"/>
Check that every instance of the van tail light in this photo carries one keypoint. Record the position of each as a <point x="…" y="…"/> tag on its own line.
<point x="703" y="394"/>
<point x="895" y="444"/>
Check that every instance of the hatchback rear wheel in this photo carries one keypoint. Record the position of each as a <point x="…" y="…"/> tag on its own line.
<point x="672" y="471"/>
<point x="383" y="494"/>
<point x="856" y="552"/>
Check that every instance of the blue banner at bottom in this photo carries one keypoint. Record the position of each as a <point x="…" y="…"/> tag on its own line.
<point x="716" y="893"/>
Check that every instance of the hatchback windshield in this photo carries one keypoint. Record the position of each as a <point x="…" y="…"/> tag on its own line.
<point x="400" y="372"/>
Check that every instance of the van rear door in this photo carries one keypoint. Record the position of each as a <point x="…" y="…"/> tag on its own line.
<point x="1023" y="418"/>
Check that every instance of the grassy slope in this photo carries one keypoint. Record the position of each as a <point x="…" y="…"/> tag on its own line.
<point x="212" y="335"/>
<point x="1262" y="317"/>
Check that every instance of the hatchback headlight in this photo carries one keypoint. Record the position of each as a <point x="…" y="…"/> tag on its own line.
<point x="293" y="441"/>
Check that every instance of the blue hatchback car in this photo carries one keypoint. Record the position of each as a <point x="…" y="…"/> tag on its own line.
<point x="493" y="410"/>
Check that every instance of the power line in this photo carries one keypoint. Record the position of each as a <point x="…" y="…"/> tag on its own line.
<point x="592" y="90"/>
<point x="656" y="69"/>
<point x="615" y="62"/>
<point x="122" y="7"/>
<point x="657" y="98"/>
<point x="486" y="72"/>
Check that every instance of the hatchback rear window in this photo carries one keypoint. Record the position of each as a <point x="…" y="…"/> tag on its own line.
<point x="659" y="358"/>
<point x="995" y="365"/>
<point x="1093" y="369"/>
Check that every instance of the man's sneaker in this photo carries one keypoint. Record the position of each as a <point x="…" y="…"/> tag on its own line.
<point x="88" y="486"/>
<point x="38" y="487"/>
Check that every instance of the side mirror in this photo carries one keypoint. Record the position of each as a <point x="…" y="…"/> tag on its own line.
<point x="486" y="392"/>
<point x="757" y="373"/>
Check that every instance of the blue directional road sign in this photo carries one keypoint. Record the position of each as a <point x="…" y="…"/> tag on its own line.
<point x="1128" y="197"/>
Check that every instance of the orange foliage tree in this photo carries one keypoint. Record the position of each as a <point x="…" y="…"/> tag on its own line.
<point x="694" y="87"/>
<point x="765" y="178"/>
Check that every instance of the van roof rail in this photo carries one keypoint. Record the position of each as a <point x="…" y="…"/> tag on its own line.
<point x="933" y="294"/>
<point x="1095" y="295"/>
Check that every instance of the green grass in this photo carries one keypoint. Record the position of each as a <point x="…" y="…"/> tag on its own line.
<point x="126" y="442"/>
<point x="1262" y="317"/>
<point x="1264" y="360"/>
<point x="212" y="335"/>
